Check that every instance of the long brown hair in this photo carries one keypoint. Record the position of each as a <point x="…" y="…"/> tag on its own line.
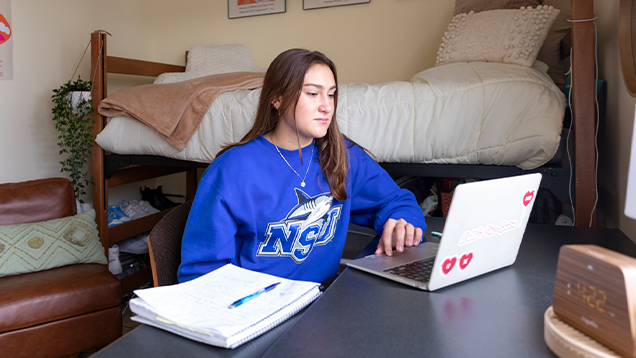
<point x="284" y="81"/>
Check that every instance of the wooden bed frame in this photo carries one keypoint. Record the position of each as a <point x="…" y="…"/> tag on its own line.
<point x="113" y="170"/>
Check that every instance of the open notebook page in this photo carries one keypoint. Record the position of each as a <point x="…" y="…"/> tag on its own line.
<point x="203" y="303"/>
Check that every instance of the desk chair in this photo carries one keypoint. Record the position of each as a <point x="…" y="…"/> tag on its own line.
<point x="164" y="244"/>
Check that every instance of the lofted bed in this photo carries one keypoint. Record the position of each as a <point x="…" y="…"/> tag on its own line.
<point x="111" y="169"/>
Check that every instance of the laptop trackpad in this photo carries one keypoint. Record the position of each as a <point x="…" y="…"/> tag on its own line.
<point x="410" y="254"/>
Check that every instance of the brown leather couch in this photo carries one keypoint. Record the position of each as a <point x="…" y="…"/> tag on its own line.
<point x="61" y="311"/>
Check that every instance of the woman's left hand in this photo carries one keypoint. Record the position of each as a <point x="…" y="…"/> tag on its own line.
<point x="398" y="233"/>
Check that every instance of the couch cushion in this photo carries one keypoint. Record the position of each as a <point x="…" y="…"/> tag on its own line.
<point x="36" y="298"/>
<point x="44" y="245"/>
<point x="36" y="200"/>
<point x="64" y="337"/>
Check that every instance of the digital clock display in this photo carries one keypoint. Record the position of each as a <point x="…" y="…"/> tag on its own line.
<point x="591" y="293"/>
<point x="594" y="297"/>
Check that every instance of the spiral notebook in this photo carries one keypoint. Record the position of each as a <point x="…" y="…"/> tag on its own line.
<point x="203" y="309"/>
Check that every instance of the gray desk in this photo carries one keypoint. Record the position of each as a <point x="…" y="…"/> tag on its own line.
<point x="499" y="314"/>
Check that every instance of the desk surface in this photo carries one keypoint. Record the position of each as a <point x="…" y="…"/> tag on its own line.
<point x="360" y="315"/>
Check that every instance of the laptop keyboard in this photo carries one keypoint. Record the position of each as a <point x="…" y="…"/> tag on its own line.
<point x="418" y="270"/>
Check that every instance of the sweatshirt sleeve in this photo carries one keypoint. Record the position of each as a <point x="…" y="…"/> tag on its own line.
<point x="375" y="196"/>
<point x="209" y="239"/>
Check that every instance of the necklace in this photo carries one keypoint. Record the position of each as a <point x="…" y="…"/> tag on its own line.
<point x="302" y="180"/>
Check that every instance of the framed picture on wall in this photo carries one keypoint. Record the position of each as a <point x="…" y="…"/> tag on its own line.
<point x="245" y="8"/>
<point x="316" y="4"/>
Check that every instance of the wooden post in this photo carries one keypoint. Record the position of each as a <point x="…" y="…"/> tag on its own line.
<point x="98" y="92"/>
<point x="584" y="111"/>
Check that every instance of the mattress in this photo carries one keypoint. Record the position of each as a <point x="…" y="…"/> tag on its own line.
<point x="459" y="113"/>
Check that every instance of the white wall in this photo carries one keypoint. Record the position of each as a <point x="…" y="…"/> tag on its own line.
<point x="49" y="39"/>
<point x="615" y="132"/>
<point x="381" y="41"/>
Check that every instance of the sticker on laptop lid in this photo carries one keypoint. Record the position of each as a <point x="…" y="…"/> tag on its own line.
<point x="465" y="260"/>
<point x="447" y="265"/>
<point x="482" y="232"/>
<point x="527" y="197"/>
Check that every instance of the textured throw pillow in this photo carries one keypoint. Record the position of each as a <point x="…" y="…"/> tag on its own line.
<point x="220" y="59"/>
<point x="49" y="244"/>
<point x="466" y="6"/>
<point x="212" y="60"/>
<point x="508" y="36"/>
<point x="550" y="53"/>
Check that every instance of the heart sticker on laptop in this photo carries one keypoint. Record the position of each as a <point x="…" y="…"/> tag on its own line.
<point x="527" y="199"/>
<point x="448" y="265"/>
<point x="465" y="260"/>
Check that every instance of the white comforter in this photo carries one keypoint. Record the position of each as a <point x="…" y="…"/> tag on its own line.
<point x="460" y="113"/>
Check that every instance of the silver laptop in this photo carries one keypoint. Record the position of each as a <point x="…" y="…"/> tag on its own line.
<point x="482" y="233"/>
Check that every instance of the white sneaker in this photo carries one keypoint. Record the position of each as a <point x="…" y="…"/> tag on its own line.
<point x="137" y="209"/>
<point x="137" y="244"/>
<point x="128" y="209"/>
<point x="147" y="208"/>
<point x="114" y="265"/>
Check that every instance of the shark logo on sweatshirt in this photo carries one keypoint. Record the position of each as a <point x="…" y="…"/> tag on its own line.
<point x="312" y="222"/>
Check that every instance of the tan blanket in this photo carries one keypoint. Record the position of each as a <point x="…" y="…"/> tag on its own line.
<point x="176" y="109"/>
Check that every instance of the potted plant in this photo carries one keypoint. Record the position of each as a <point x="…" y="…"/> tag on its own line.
<point x="73" y="119"/>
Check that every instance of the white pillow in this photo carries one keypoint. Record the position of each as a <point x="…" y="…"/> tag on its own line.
<point x="212" y="60"/>
<point x="508" y="36"/>
<point x="220" y="59"/>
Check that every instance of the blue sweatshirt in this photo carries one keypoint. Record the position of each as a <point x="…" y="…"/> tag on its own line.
<point x="251" y="210"/>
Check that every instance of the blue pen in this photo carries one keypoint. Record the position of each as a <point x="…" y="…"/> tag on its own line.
<point x="436" y="234"/>
<point x="253" y="295"/>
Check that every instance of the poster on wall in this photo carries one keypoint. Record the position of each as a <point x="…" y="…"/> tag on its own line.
<point x="315" y="4"/>
<point x="244" y="8"/>
<point x="6" y="41"/>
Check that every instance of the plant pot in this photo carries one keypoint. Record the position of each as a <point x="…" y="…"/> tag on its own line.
<point x="77" y="96"/>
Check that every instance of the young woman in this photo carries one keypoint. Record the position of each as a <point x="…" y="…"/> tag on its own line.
<point x="280" y="200"/>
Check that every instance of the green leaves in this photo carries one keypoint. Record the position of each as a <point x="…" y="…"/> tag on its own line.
<point x="75" y="139"/>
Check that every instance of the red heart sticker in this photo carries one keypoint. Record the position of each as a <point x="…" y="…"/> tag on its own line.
<point x="528" y="198"/>
<point x="448" y="265"/>
<point x="465" y="260"/>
